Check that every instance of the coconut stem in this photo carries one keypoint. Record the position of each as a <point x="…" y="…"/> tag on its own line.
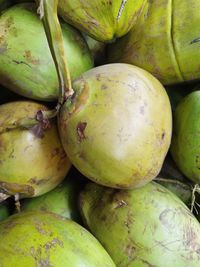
<point x="48" y="14"/>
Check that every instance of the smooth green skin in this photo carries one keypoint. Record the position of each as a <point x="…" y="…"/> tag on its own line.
<point x="120" y="105"/>
<point x="161" y="42"/>
<point x="185" y="145"/>
<point x="26" y="64"/>
<point x="63" y="200"/>
<point x="148" y="226"/>
<point x="42" y="239"/>
<point x="29" y="164"/>
<point x="4" y="212"/>
<point x="99" y="18"/>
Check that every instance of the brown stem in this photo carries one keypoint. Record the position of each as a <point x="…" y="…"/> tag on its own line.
<point x="48" y="14"/>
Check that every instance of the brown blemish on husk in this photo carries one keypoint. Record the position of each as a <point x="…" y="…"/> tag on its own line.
<point x="14" y="188"/>
<point x="53" y="243"/>
<point x="30" y="58"/>
<point x="80" y="130"/>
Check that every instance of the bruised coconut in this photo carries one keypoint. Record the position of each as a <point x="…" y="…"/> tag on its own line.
<point x="102" y="19"/>
<point x="26" y="65"/>
<point x="32" y="161"/>
<point x="148" y="226"/>
<point x="111" y="124"/>
<point x="116" y="129"/>
<point x="42" y="239"/>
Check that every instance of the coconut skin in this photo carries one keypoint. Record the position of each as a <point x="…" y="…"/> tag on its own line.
<point x="32" y="162"/>
<point x="46" y="239"/>
<point x="164" y="42"/>
<point x="63" y="200"/>
<point x="4" y="212"/>
<point x="148" y="226"/>
<point x="26" y="64"/>
<point x="101" y="19"/>
<point x="115" y="112"/>
<point x="185" y="142"/>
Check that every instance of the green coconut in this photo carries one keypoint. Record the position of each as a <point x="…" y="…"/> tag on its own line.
<point x="102" y="19"/>
<point x="62" y="200"/>
<point x="32" y="160"/>
<point x="26" y="65"/>
<point x="148" y="226"/>
<point x="185" y="142"/>
<point x="165" y="41"/>
<point x="4" y="212"/>
<point x="114" y="114"/>
<point x="44" y="239"/>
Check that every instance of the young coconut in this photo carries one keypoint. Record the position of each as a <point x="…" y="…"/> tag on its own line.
<point x="46" y="239"/>
<point x="165" y="41"/>
<point x="148" y="226"/>
<point x="32" y="160"/>
<point x="26" y="65"/>
<point x="112" y="127"/>
<point x="185" y="145"/>
<point x="102" y="19"/>
<point x="63" y="200"/>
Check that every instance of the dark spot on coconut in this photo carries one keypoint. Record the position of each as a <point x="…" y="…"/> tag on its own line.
<point x="130" y="250"/>
<point x="147" y="263"/>
<point x="103" y="217"/>
<point x="104" y="87"/>
<point x="21" y="62"/>
<point x="80" y="130"/>
<point x="198" y="159"/>
<point x="53" y="243"/>
<point x="40" y="228"/>
<point x="37" y="130"/>
<point x="196" y="40"/>
<point x="36" y="181"/>
<point x="98" y="77"/>
<point x="163" y="135"/>
<point x="55" y="152"/>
